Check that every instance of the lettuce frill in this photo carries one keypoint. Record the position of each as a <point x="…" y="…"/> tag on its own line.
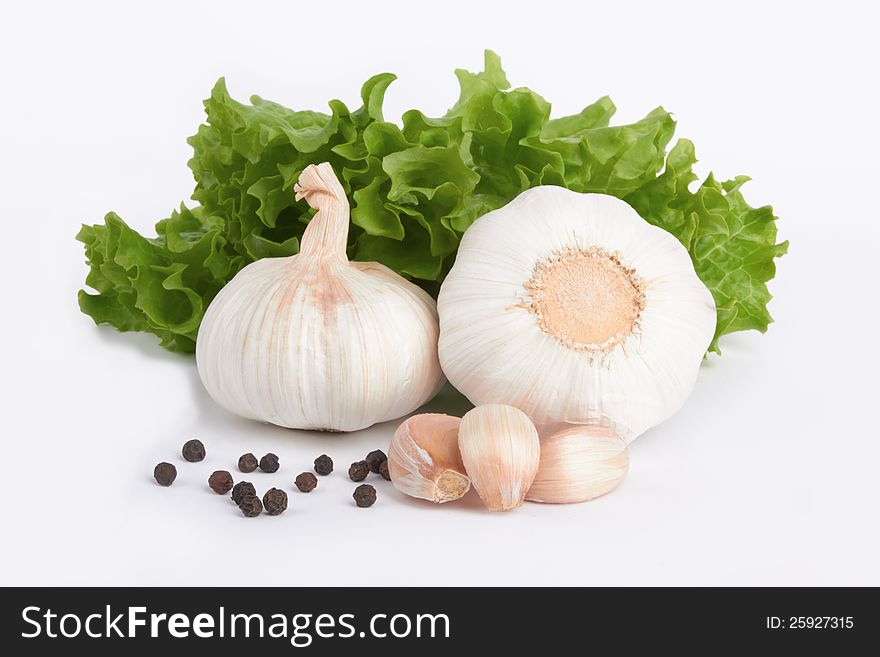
<point x="414" y="189"/>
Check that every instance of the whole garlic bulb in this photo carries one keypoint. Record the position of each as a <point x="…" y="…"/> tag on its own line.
<point x="570" y="306"/>
<point x="313" y="341"/>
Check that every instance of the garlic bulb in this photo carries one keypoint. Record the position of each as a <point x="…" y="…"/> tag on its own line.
<point x="570" y="306"/>
<point x="500" y="450"/>
<point x="314" y="341"/>
<point x="578" y="464"/>
<point x="424" y="461"/>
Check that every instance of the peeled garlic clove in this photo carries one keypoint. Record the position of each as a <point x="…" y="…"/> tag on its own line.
<point x="566" y="305"/>
<point x="424" y="461"/>
<point x="578" y="464"/>
<point x="500" y="450"/>
<point x="314" y="341"/>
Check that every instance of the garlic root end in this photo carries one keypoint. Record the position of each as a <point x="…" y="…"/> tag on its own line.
<point x="450" y="485"/>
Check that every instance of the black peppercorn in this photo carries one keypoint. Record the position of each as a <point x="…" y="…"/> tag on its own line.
<point x="275" y="501"/>
<point x="375" y="459"/>
<point x="323" y="465"/>
<point x="364" y="495"/>
<point x="193" y="451"/>
<point x="165" y="474"/>
<point x="269" y="463"/>
<point x="306" y="482"/>
<point x="247" y="462"/>
<point x="251" y="506"/>
<point x="241" y="490"/>
<point x="220" y="482"/>
<point x="383" y="471"/>
<point x="358" y="471"/>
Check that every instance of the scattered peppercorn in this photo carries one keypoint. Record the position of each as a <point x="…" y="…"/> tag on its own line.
<point x="247" y="462"/>
<point x="193" y="451"/>
<point x="364" y="495"/>
<point x="165" y="474"/>
<point x="241" y="490"/>
<point x="375" y="459"/>
<point x="251" y="506"/>
<point x="275" y="501"/>
<point x="323" y="465"/>
<point x="220" y="482"/>
<point x="358" y="471"/>
<point x="306" y="482"/>
<point x="269" y="463"/>
<point x="383" y="471"/>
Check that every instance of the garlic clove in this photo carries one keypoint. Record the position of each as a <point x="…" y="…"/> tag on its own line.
<point x="579" y="464"/>
<point x="500" y="451"/>
<point x="424" y="461"/>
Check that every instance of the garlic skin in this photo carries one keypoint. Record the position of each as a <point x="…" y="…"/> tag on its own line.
<point x="570" y="306"/>
<point x="501" y="451"/>
<point x="313" y="341"/>
<point x="578" y="464"/>
<point x="424" y="460"/>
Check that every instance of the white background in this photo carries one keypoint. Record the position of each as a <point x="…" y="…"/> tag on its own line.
<point x="769" y="475"/>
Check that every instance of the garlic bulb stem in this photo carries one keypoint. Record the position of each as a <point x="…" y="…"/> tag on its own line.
<point x="327" y="232"/>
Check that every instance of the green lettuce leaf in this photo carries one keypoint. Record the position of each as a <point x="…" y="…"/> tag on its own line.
<point x="415" y="188"/>
<point x="732" y="245"/>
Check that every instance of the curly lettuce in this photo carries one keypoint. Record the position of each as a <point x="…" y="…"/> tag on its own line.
<point x="414" y="189"/>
